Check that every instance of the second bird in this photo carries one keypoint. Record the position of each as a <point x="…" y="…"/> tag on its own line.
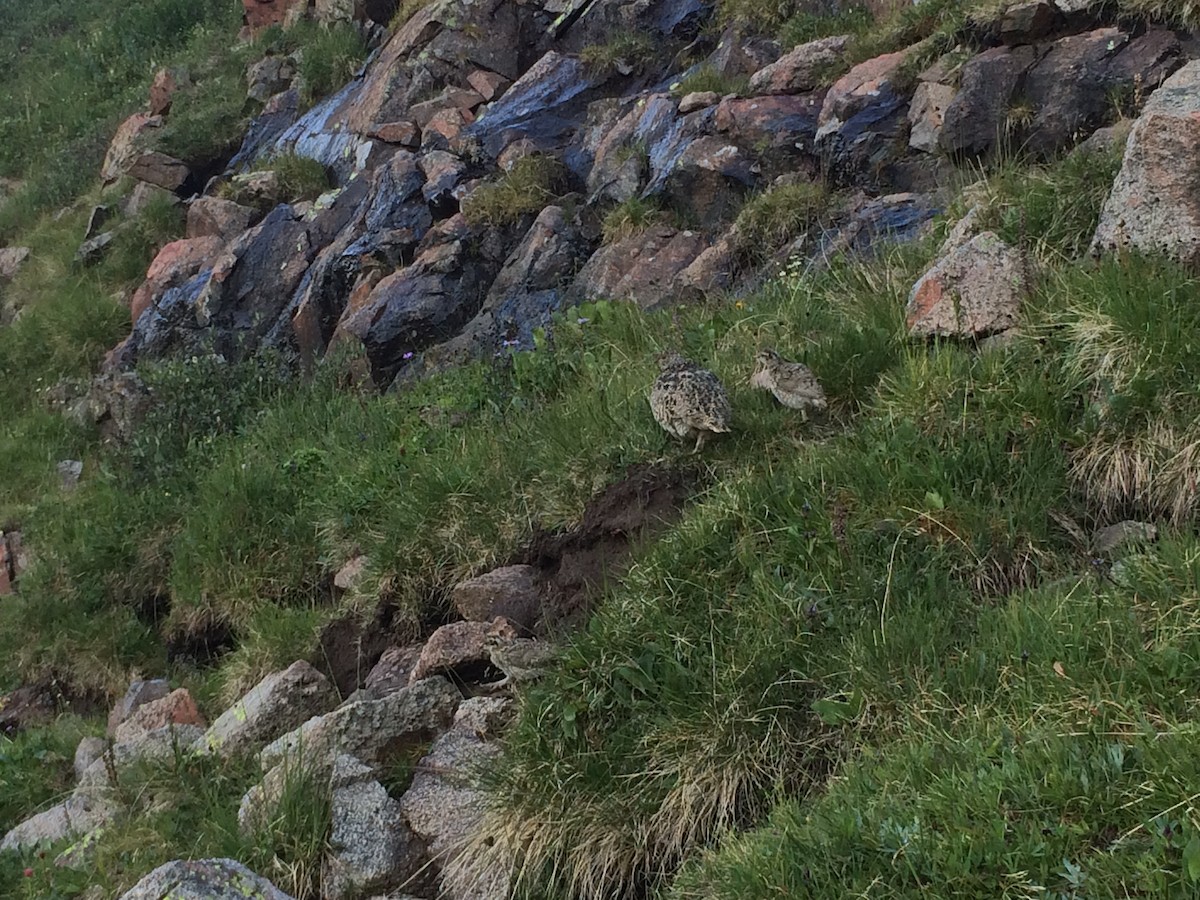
<point x="793" y="384"/>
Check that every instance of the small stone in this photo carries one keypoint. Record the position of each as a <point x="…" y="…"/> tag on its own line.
<point x="404" y="133"/>
<point x="489" y="85"/>
<point x="11" y="260"/>
<point x="89" y="750"/>
<point x="350" y="574"/>
<point x="698" y="100"/>
<point x="139" y="694"/>
<point x="204" y="879"/>
<point x="800" y="70"/>
<point x="94" y="249"/>
<point x="1113" y="537"/>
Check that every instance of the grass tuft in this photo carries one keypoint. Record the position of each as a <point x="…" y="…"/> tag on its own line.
<point x="527" y="188"/>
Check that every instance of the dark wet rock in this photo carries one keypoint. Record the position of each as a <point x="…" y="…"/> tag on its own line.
<point x="96" y="220"/>
<point x="710" y="180"/>
<point x="94" y="249"/>
<point x="175" y="264"/>
<point x="1027" y="22"/>
<point x="1071" y="88"/>
<point x="279" y="114"/>
<point x="544" y="105"/>
<point x="879" y="222"/>
<point x="647" y="138"/>
<point x="423" y="304"/>
<point x="863" y="124"/>
<point x="975" y="120"/>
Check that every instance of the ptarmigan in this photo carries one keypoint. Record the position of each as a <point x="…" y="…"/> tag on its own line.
<point x="688" y="401"/>
<point x="793" y="384"/>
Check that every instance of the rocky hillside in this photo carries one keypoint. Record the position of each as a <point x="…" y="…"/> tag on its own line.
<point x="341" y="555"/>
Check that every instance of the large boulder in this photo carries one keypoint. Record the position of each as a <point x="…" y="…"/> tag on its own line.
<point x="369" y="730"/>
<point x="976" y="118"/>
<point x="276" y="705"/>
<point x="177" y="708"/>
<point x="175" y="264"/>
<point x="459" y="650"/>
<point x="445" y="807"/>
<point x="140" y="693"/>
<point x="204" y="879"/>
<point x="74" y="817"/>
<point x="371" y="847"/>
<point x="974" y="292"/>
<point x="1154" y="206"/>
<point x="802" y="69"/>
<point x="510" y="591"/>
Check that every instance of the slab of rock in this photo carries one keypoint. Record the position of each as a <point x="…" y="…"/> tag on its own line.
<point x="511" y="592"/>
<point x="974" y="292"/>
<point x="275" y="706"/>
<point x="402" y="132"/>
<point x="139" y="694"/>
<point x="445" y="807"/>
<point x="217" y="217"/>
<point x="975" y="119"/>
<point x="74" y="817"/>
<point x="204" y="879"/>
<point x="857" y="89"/>
<point x="175" y="264"/>
<point x="160" y="169"/>
<point x="642" y="268"/>
<point x="489" y="85"/>
<point x="89" y="750"/>
<point x="926" y="114"/>
<point x="393" y="671"/>
<point x="802" y="69"/>
<point x="1154" y="206"/>
<point x="11" y="260"/>
<point x="459" y="650"/>
<point x="127" y="144"/>
<point x="369" y="730"/>
<point x="1025" y="23"/>
<point x="371" y="847"/>
<point x="94" y="249"/>
<point x="698" y="100"/>
<point x="177" y="708"/>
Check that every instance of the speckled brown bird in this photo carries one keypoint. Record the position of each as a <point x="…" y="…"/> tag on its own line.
<point x="689" y="401"/>
<point x="793" y="384"/>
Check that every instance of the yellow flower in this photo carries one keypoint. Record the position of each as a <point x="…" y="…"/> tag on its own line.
<point x="739" y="305"/>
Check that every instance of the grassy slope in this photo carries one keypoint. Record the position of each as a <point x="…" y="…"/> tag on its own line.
<point x="896" y="567"/>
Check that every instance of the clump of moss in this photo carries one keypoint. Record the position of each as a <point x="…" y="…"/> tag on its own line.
<point x="777" y="216"/>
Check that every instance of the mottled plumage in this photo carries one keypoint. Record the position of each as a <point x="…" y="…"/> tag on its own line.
<point x="688" y="401"/>
<point x="520" y="659"/>
<point x="793" y="384"/>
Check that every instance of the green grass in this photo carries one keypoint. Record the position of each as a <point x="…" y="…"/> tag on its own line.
<point x="631" y="217"/>
<point x="706" y="78"/>
<point x="526" y="189"/>
<point x="867" y="659"/>
<point x="624" y="49"/>
<point x="776" y="217"/>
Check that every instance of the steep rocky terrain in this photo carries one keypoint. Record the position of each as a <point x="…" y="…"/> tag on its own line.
<point x="328" y="458"/>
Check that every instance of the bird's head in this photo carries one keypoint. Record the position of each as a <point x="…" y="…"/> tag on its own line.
<point x="766" y="357"/>
<point x="671" y="361"/>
